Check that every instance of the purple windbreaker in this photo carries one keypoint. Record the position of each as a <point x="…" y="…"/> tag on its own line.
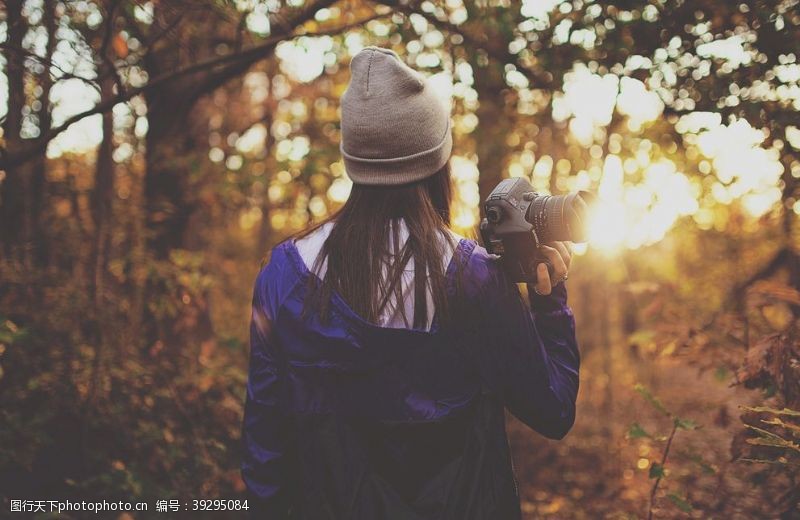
<point x="348" y="420"/>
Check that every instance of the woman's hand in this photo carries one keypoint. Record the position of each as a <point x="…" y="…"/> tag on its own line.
<point x="559" y="256"/>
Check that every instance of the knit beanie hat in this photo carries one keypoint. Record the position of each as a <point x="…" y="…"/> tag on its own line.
<point x="395" y="129"/>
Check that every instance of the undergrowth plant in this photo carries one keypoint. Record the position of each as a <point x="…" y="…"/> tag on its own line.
<point x="658" y="471"/>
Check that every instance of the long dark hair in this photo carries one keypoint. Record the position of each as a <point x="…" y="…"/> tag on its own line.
<point x="366" y="259"/>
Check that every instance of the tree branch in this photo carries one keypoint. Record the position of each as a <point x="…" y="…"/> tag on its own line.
<point x="229" y="61"/>
<point x="495" y="48"/>
<point x="24" y="53"/>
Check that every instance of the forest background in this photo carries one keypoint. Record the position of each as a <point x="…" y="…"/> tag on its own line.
<point x="154" y="151"/>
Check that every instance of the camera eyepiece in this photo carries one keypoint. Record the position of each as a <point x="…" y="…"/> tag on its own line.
<point x="494" y="214"/>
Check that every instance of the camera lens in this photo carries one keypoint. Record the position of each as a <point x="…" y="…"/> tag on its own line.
<point x="560" y="217"/>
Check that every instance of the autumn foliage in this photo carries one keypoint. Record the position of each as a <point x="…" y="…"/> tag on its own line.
<point x="153" y="152"/>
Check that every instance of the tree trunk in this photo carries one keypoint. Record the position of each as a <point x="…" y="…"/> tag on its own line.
<point x="169" y="201"/>
<point x="39" y="164"/>
<point x="14" y="189"/>
<point x="101" y="202"/>
<point x="170" y="148"/>
<point x="173" y="156"/>
<point x="493" y="126"/>
<point x="791" y="232"/>
<point x="265" y="228"/>
<point x="102" y="197"/>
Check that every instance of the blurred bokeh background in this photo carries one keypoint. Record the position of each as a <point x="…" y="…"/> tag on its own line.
<point x="154" y="151"/>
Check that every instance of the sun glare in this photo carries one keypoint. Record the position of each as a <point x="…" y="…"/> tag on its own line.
<point x="632" y="216"/>
<point x="642" y="197"/>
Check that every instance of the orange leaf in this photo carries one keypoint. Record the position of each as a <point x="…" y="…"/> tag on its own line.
<point x="120" y="46"/>
<point x="776" y="291"/>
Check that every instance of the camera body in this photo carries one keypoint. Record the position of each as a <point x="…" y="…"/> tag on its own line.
<point x="519" y="220"/>
<point x="506" y="231"/>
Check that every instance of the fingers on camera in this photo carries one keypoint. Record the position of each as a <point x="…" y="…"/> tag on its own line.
<point x="559" y="264"/>
<point x="565" y="252"/>
<point x="543" y="286"/>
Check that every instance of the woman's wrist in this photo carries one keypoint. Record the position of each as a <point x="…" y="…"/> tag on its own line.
<point x="547" y="302"/>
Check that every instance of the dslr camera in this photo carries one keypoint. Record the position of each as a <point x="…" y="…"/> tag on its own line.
<point x="518" y="221"/>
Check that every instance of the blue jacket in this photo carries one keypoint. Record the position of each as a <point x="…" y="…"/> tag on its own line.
<point x="348" y="420"/>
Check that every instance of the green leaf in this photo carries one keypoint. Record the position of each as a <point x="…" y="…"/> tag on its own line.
<point x="656" y="470"/>
<point x="680" y="502"/>
<point x="760" y="441"/>
<point x="768" y="438"/>
<point x="779" y="461"/>
<point x="10" y="333"/>
<point x="642" y="337"/>
<point x="721" y="374"/>
<point x="707" y="468"/>
<point x="636" y="431"/>
<point x="650" y="398"/>
<point x="685" y="424"/>
<point x="767" y="409"/>
<point x="794" y="428"/>
<point x="765" y="433"/>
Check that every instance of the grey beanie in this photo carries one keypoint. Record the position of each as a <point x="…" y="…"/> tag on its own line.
<point x="395" y="129"/>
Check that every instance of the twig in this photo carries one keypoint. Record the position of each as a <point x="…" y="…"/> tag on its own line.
<point x="661" y="472"/>
<point x="50" y="64"/>
<point x="104" y="56"/>
<point x="345" y="27"/>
